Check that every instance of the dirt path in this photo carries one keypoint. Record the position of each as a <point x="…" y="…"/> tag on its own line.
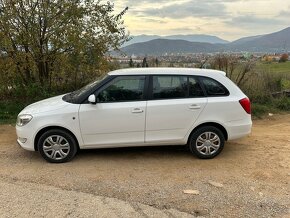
<point x="254" y="173"/>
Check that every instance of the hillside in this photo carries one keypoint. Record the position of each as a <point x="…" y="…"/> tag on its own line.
<point x="274" y="42"/>
<point x="162" y="46"/>
<point x="190" y="38"/>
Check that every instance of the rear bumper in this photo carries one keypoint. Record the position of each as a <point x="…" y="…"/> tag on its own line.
<point x="238" y="129"/>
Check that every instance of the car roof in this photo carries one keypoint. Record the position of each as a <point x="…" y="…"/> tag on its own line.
<point x="175" y="71"/>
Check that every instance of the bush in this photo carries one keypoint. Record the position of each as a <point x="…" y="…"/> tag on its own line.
<point x="258" y="110"/>
<point x="284" y="58"/>
<point x="282" y="103"/>
<point x="285" y="84"/>
<point x="9" y="111"/>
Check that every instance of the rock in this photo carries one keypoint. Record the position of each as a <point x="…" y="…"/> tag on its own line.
<point x="261" y="194"/>
<point x="271" y="115"/>
<point x="216" y="184"/>
<point x="252" y="188"/>
<point x="192" y="192"/>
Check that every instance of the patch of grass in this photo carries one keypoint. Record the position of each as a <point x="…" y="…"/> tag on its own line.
<point x="282" y="103"/>
<point x="260" y="110"/>
<point x="274" y="67"/>
<point x="278" y="105"/>
<point x="9" y="111"/>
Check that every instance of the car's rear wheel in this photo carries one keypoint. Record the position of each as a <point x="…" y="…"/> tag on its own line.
<point x="207" y="142"/>
<point x="57" y="146"/>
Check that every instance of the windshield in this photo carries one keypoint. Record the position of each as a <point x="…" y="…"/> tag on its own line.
<point x="71" y="97"/>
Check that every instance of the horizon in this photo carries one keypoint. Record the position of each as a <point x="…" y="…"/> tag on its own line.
<point x="262" y="34"/>
<point x="226" y="19"/>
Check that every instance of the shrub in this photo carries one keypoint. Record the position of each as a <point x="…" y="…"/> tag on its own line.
<point x="284" y="58"/>
<point x="282" y="103"/>
<point x="258" y="110"/>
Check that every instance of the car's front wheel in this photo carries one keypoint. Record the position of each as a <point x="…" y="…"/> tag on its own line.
<point x="207" y="142"/>
<point x="57" y="146"/>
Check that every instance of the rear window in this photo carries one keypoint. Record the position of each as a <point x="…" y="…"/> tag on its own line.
<point x="213" y="87"/>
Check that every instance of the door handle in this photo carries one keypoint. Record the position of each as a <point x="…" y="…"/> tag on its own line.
<point x="137" y="110"/>
<point x="194" y="107"/>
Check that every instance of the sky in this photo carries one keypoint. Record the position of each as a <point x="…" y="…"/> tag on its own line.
<point x="228" y="19"/>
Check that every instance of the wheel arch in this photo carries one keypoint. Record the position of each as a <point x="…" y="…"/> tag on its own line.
<point x="45" y="129"/>
<point x="217" y="125"/>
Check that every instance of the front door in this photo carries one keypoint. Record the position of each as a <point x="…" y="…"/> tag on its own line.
<point x="118" y="117"/>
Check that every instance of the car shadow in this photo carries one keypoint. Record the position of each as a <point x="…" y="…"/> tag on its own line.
<point x="152" y="152"/>
<point x="125" y="151"/>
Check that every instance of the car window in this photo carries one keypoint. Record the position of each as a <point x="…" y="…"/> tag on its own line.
<point x="166" y="87"/>
<point x="195" y="89"/>
<point x="213" y="87"/>
<point x="123" y="88"/>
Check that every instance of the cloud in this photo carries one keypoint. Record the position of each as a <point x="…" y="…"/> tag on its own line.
<point x="185" y="29"/>
<point x="194" y="8"/>
<point x="151" y="20"/>
<point x="229" y="19"/>
<point x="254" y="21"/>
<point x="284" y="13"/>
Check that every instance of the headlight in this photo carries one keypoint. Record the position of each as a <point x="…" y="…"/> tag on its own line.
<point x="23" y="119"/>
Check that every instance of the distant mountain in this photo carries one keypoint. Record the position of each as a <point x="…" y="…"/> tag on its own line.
<point x="190" y="38"/>
<point x="274" y="42"/>
<point x="245" y="39"/>
<point x="198" y="38"/>
<point x="140" y="38"/>
<point x="163" y="46"/>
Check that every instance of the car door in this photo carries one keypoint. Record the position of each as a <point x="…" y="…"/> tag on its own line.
<point x="176" y="102"/>
<point x="118" y="117"/>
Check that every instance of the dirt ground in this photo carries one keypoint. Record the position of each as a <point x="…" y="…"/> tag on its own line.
<point x="252" y="174"/>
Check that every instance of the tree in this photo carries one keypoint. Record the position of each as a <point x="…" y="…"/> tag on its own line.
<point x="46" y="38"/>
<point x="145" y="63"/>
<point x="156" y="62"/>
<point x="284" y="58"/>
<point x="235" y="70"/>
<point x="131" y="63"/>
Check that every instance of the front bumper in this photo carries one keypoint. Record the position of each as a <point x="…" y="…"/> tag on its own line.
<point x="25" y="133"/>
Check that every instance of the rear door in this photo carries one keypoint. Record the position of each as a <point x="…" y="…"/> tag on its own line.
<point x="175" y="104"/>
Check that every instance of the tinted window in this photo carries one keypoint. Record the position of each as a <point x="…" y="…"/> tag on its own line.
<point x="166" y="87"/>
<point x="195" y="89"/>
<point x="123" y="88"/>
<point x="213" y="87"/>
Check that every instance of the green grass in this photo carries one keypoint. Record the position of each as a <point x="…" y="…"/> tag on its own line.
<point x="274" y="67"/>
<point x="279" y="105"/>
<point x="9" y="111"/>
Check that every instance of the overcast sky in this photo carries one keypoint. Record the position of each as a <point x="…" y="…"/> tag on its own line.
<point x="228" y="19"/>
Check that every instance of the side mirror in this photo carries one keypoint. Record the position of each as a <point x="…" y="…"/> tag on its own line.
<point x="92" y="99"/>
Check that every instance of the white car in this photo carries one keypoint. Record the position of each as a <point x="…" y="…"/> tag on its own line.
<point x="139" y="107"/>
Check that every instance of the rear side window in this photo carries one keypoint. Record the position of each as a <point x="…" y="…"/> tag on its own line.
<point x="167" y="87"/>
<point x="213" y="87"/>
<point x="195" y="89"/>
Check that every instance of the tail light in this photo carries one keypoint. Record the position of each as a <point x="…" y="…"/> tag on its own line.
<point x="246" y="104"/>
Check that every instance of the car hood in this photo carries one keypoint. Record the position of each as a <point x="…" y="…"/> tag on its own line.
<point x="50" y="104"/>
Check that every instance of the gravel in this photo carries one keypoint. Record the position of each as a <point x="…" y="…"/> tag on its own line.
<point x="253" y="172"/>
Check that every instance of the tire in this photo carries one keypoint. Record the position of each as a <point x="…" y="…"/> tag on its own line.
<point x="206" y="142"/>
<point x="57" y="146"/>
